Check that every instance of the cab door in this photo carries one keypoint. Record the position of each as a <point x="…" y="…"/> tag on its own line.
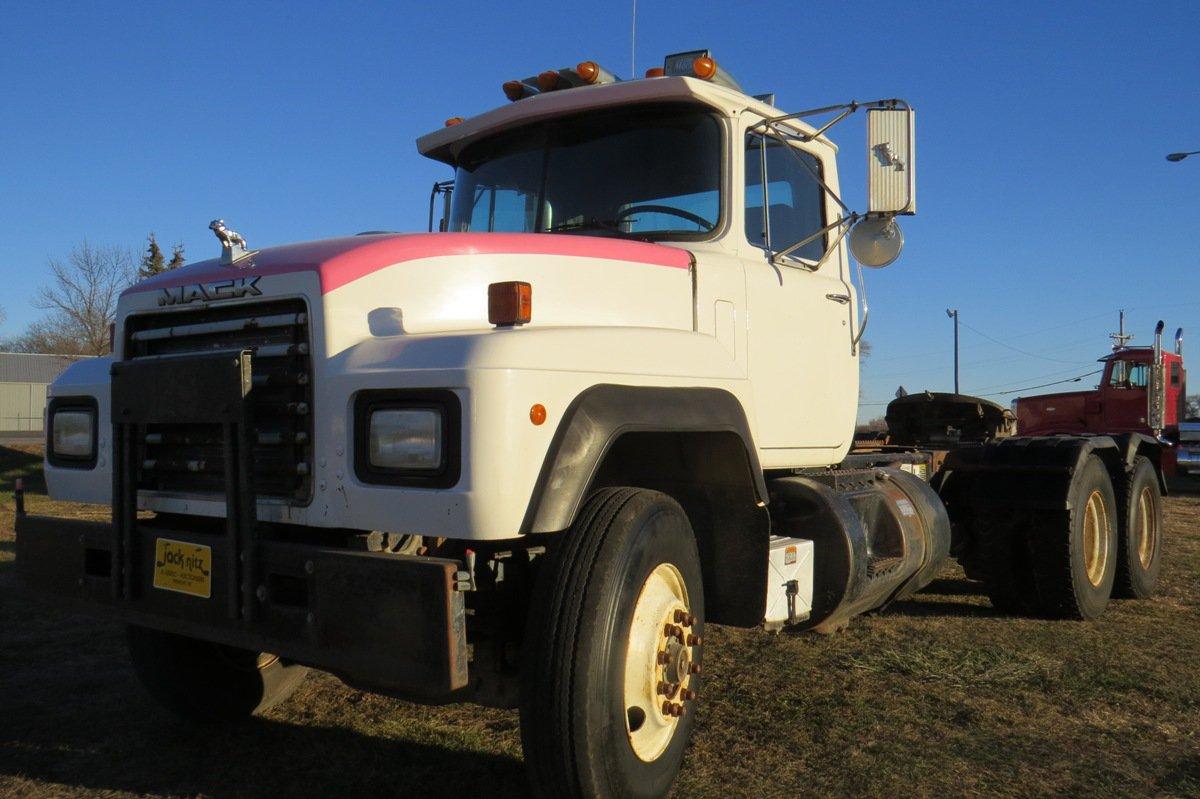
<point x="1126" y="399"/>
<point x="801" y="307"/>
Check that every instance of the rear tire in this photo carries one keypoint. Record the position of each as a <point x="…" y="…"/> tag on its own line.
<point x="1004" y="562"/>
<point x="206" y="682"/>
<point x="1139" y="537"/>
<point x="594" y="684"/>
<point x="1075" y="552"/>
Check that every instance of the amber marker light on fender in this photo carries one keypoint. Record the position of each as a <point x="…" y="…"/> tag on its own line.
<point x="510" y="303"/>
<point x="537" y="413"/>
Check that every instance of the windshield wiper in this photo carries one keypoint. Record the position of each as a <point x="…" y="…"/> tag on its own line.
<point x="607" y="225"/>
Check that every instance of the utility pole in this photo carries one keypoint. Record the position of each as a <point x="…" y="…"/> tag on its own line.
<point x="953" y="314"/>
<point x="1120" y="339"/>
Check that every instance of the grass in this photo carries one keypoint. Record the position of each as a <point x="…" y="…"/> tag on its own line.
<point x="939" y="696"/>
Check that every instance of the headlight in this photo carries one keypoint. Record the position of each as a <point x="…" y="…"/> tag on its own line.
<point x="408" y="439"/>
<point x="72" y="432"/>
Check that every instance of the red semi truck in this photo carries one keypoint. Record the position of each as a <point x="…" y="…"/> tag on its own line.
<point x="1142" y="390"/>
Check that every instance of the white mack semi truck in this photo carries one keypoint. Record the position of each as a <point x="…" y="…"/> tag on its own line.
<point x="524" y="460"/>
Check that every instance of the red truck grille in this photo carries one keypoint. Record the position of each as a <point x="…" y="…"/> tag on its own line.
<point x="189" y="458"/>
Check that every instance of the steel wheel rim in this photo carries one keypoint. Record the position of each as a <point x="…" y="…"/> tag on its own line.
<point x="1147" y="526"/>
<point x="659" y="662"/>
<point x="1095" y="538"/>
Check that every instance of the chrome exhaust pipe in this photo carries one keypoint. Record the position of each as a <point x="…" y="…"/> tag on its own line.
<point x="1179" y="342"/>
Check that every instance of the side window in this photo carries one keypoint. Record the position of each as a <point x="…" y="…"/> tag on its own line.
<point x="1139" y="375"/>
<point x="1175" y="374"/>
<point x="791" y="193"/>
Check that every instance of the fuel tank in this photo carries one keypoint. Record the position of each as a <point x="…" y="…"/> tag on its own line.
<point x="878" y="535"/>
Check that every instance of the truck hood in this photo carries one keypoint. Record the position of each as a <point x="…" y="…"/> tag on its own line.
<point x="381" y="285"/>
<point x="343" y="260"/>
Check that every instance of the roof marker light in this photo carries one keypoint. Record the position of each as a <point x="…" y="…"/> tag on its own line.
<point x="699" y="64"/>
<point x="592" y="73"/>
<point x="704" y="68"/>
<point x="550" y="80"/>
<point x="588" y="70"/>
<point x="452" y="121"/>
<point x="655" y="72"/>
<point x="516" y="90"/>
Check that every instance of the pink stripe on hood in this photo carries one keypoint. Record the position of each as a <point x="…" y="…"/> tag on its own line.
<point x="343" y="260"/>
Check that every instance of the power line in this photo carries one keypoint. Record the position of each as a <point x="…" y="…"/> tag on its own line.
<point x="1075" y="379"/>
<point x="1011" y="347"/>
<point x="1043" y="385"/>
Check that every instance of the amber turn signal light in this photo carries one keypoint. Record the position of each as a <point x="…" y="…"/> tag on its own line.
<point x="452" y="121"/>
<point x="704" y="67"/>
<point x="655" y="72"/>
<point x="549" y="80"/>
<point x="510" y="303"/>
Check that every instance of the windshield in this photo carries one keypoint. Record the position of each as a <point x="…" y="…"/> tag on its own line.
<point x="645" y="173"/>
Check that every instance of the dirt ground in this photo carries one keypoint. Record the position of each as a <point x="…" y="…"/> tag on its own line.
<point x="939" y="696"/>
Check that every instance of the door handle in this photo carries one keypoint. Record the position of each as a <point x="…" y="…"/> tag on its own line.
<point x="840" y="299"/>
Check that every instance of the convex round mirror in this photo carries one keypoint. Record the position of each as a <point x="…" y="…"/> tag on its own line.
<point x="876" y="242"/>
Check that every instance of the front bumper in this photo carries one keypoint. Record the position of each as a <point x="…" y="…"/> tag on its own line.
<point x="387" y="623"/>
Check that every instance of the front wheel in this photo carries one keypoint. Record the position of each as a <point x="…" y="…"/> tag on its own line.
<point x="612" y="651"/>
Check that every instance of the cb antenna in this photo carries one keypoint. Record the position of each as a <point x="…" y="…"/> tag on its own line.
<point x="633" y="42"/>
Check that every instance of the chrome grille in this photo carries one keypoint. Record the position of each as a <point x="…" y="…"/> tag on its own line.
<point x="189" y="458"/>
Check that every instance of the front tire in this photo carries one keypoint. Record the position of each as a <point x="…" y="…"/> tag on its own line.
<point x="205" y="682"/>
<point x="1139" y="538"/>
<point x="612" y="651"/>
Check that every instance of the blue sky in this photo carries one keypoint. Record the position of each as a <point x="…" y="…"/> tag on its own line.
<point x="1045" y="200"/>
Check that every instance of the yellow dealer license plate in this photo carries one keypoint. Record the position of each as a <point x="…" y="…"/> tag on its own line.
<point x="183" y="567"/>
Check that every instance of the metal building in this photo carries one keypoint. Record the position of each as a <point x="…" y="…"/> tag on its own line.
<point x="24" y="378"/>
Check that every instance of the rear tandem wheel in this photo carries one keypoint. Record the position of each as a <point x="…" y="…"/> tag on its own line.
<point x="1058" y="564"/>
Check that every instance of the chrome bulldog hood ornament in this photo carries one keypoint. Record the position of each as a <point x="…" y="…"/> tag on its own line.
<point x="233" y="246"/>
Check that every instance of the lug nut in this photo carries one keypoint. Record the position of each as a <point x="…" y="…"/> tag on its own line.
<point x="666" y="709"/>
<point x="662" y="688"/>
<point x="693" y="640"/>
<point x="676" y="710"/>
<point x="687" y="695"/>
<point x="694" y="668"/>
<point x="663" y="658"/>
<point x="680" y="616"/>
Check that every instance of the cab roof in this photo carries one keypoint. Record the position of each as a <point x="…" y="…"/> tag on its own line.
<point x="446" y="144"/>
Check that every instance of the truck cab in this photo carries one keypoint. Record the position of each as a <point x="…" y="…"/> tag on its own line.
<point x="1141" y="390"/>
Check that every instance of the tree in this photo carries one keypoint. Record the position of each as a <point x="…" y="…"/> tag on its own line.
<point x="152" y="262"/>
<point x="1192" y="408"/>
<point x="177" y="258"/>
<point x="81" y="301"/>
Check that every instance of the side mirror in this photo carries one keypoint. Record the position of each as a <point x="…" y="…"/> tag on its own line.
<point x="876" y="241"/>
<point x="891" y="161"/>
